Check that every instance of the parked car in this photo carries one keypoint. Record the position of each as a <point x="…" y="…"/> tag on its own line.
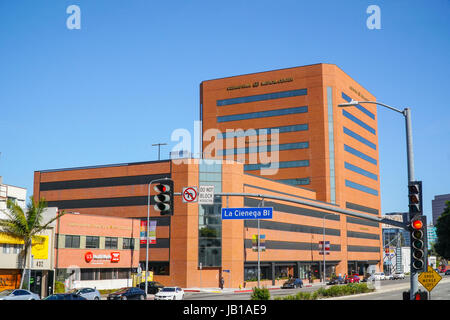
<point x="336" y="280"/>
<point x="18" y="294"/>
<point x="152" y="286"/>
<point x="447" y="272"/>
<point x="378" y="276"/>
<point x="398" y="275"/>
<point x="131" y="293"/>
<point x="65" y="296"/>
<point x="389" y="277"/>
<point x="292" y="283"/>
<point x="354" y="278"/>
<point x="88" y="293"/>
<point x="170" y="293"/>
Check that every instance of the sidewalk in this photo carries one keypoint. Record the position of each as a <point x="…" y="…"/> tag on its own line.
<point x="238" y="290"/>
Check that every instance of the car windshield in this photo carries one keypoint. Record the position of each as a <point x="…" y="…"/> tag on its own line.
<point x="168" y="289"/>
<point x="5" y="293"/>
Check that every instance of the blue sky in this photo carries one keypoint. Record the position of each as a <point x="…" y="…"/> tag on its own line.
<point x="92" y="96"/>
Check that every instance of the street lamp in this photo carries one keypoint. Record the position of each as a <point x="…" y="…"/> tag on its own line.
<point x="410" y="163"/>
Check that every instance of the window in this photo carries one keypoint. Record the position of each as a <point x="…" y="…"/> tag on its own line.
<point x="110" y="243"/>
<point x="296" y="181"/>
<point x="262" y="114"/>
<point x="357" y="121"/>
<point x="331" y="145"/>
<point x="262" y="97"/>
<point x="12" y="248"/>
<point x="280" y="165"/>
<point x="246" y="133"/>
<point x="72" y="241"/>
<point x="356" y="169"/>
<point x="128" y="243"/>
<point x="92" y="242"/>
<point x="360" y="187"/>
<point x="265" y="148"/>
<point x="359" y="138"/>
<point x="87" y="274"/>
<point x="359" y="154"/>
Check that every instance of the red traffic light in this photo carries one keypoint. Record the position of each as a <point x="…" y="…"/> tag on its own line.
<point x="417" y="224"/>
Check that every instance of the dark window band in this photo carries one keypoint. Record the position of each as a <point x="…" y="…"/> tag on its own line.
<point x="289" y="227"/>
<point x="362" y="249"/>
<point x="363" y="222"/>
<point x="363" y="235"/>
<point x="262" y="97"/>
<point x="102" y="202"/>
<point x="161" y="243"/>
<point x="101" y="182"/>
<point x="359" y="207"/>
<point x="262" y="114"/>
<point x="287" y="245"/>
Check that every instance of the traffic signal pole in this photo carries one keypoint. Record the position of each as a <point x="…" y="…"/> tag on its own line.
<point x="414" y="279"/>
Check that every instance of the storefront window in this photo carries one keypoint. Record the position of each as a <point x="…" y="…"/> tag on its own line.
<point x="92" y="242"/>
<point x="110" y="243"/>
<point x="251" y="273"/>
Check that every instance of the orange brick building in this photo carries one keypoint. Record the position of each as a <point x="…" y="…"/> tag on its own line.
<point x="194" y="247"/>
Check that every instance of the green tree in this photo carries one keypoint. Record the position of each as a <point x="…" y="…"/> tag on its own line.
<point x="442" y="246"/>
<point x="25" y="225"/>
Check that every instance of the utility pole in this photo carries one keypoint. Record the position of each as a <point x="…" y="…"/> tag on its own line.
<point x="159" y="148"/>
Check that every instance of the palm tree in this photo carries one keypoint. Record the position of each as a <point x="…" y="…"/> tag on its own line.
<point x="25" y="225"/>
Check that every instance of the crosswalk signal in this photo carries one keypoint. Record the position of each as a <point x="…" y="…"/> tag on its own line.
<point x="415" y="197"/>
<point x="164" y="197"/>
<point x="419" y="244"/>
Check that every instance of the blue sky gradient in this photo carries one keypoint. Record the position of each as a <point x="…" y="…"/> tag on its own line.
<point x="92" y="96"/>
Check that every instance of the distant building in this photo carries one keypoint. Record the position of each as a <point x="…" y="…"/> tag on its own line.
<point x="8" y="192"/>
<point x="438" y="205"/>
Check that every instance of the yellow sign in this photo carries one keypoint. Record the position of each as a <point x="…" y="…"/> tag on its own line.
<point x="39" y="249"/>
<point x="39" y="244"/>
<point x="429" y="279"/>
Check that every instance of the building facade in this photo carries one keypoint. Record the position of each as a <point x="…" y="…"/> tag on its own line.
<point x="438" y="205"/>
<point x="96" y="251"/>
<point x="195" y="247"/>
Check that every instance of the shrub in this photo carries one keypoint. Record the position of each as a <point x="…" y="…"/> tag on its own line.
<point x="59" y="287"/>
<point x="260" y="294"/>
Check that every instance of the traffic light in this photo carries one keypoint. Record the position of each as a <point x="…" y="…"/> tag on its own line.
<point x="415" y="197"/>
<point x="164" y="197"/>
<point x="419" y="244"/>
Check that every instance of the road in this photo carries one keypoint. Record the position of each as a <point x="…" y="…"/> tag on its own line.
<point x="388" y="290"/>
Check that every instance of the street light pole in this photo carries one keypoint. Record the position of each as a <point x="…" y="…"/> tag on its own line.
<point x="410" y="163"/>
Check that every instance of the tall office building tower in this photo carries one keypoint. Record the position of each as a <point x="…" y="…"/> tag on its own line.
<point x="319" y="146"/>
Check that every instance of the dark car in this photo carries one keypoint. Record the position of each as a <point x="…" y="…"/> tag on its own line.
<point x="447" y="272"/>
<point x="292" y="283"/>
<point x="132" y="293"/>
<point x="65" y="296"/>
<point x="152" y="287"/>
<point x="336" y="280"/>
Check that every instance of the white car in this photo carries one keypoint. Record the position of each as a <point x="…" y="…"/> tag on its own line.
<point x="18" y="294"/>
<point x="88" y="293"/>
<point x="170" y="293"/>
<point x="398" y="275"/>
<point x="379" y="276"/>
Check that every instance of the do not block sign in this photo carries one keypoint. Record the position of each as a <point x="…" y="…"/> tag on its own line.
<point x="206" y="194"/>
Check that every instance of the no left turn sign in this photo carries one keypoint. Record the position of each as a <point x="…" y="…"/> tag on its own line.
<point x="190" y="194"/>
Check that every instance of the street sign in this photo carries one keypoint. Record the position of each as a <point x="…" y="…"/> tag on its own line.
<point x="190" y="194"/>
<point x="327" y="247"/>
<point x="247" y="213"/>
<point x="206" y="195"/>
<point x="429" y="279"/>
